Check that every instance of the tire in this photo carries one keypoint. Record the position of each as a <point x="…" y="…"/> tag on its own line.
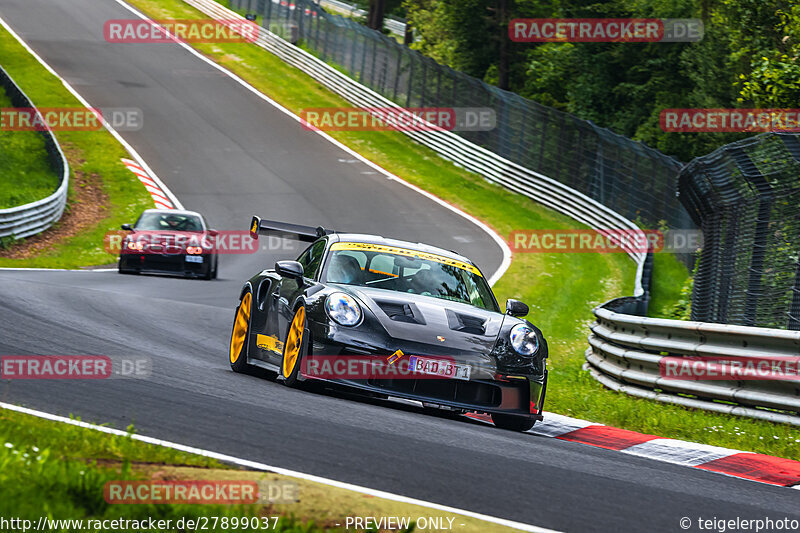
<point x="210" y="273"/>
<point x="124" y="270"/>
<point x="216" y="269"/>
<point x="513" y="422"/>
<point x="240" y="333"/>
<point x="294" y="349"/>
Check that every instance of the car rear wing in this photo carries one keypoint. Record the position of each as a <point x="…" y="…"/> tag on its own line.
<point x="296" y="231"/>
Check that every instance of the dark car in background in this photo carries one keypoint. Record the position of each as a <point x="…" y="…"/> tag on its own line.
<point x="169" y="241"/>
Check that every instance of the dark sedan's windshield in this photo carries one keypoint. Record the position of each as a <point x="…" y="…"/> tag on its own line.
<point x="408" y="271"/>
<point x="169" y="222"/>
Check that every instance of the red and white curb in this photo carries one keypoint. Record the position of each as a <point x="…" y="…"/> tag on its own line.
<point x="747" y="465"/>
<point x="159" y="196"/>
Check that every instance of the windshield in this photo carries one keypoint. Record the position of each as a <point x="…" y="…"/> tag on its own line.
<point x="169" y="222"/>
<point x="408" y="271"/>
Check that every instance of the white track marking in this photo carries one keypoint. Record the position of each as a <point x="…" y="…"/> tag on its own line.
<point x="506" y="262"/>
<point x="267" y="468"/>
<point x="555" y="425"/>
<point x="83" y="101"/>
<point x="679" y="452"/>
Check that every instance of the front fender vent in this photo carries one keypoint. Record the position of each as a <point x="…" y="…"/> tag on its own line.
<point x="401" y="312"/>
<point x="475" y="325"/>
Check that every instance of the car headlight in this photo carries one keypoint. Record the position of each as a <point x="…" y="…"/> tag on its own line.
<point x="343" y="309"/>
<point x="523" y="339"/>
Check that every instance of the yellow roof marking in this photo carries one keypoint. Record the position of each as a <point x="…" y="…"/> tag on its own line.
<point x="368" y="247"/>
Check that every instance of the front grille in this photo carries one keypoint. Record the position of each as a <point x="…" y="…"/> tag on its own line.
<point x="447" y="390"/>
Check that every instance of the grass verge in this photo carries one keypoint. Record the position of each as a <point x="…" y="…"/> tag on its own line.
<point x="561" y="288"/>
<point x="58" y="470"/>
<point x="25" y="172"/>
<point x="94" y="159"/>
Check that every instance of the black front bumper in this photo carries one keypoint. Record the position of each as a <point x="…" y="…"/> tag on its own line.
<point x="165" y="264"/>
<point x="489" y="389"/>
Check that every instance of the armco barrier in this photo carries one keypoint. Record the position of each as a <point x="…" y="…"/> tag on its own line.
<point x="29" y="219"/>
<point x="472" y="157"/>
<point x="394" y="25"/>
<point x="625" y="354"/>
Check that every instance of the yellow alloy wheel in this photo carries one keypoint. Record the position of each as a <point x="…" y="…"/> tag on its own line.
<point x="294" y="341"/>
<point x="239" y="335"/>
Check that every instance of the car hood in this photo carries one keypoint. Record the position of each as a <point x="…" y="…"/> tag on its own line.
<point x="444" y="325"/>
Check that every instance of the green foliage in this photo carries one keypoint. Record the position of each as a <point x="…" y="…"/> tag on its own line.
<point x="747" y="58"/>
<point x="25" y="172"/>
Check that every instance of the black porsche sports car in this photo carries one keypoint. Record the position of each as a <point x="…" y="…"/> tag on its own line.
<point x="393" y="318"/>
<point x="168" y="241"/>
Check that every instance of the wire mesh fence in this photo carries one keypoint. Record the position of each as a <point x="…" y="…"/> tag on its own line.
<point x="627" y="176"/>
<point x="745" y="197"/>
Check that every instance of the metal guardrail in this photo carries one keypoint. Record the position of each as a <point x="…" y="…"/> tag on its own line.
<point x="626" y="353"/>
<point x="29" y="219"/>
<point x="394" y="25"/>
<point x="472" y="157"/>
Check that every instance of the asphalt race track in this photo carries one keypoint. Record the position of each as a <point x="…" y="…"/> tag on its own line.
<point x="229" y="154"/>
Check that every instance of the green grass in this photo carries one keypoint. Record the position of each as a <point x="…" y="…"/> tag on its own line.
<point x="69" y="442"/>
<point x="667" y="298"/>
<point x="25" y="172"/>
<point x="90" y="153"/>
<point x="59" y="470"/>
<point x="560" y="288"/>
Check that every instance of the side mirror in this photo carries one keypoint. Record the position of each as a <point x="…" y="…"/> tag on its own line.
<point x="127" y="227"/>
<point x="213" y="232"/>
<point x="289" y="269"/>
<point x="516" y="308"/>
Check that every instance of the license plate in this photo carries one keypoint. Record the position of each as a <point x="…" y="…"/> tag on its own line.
<point x="194" y="258"/>
<point x="438" y="367"/>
